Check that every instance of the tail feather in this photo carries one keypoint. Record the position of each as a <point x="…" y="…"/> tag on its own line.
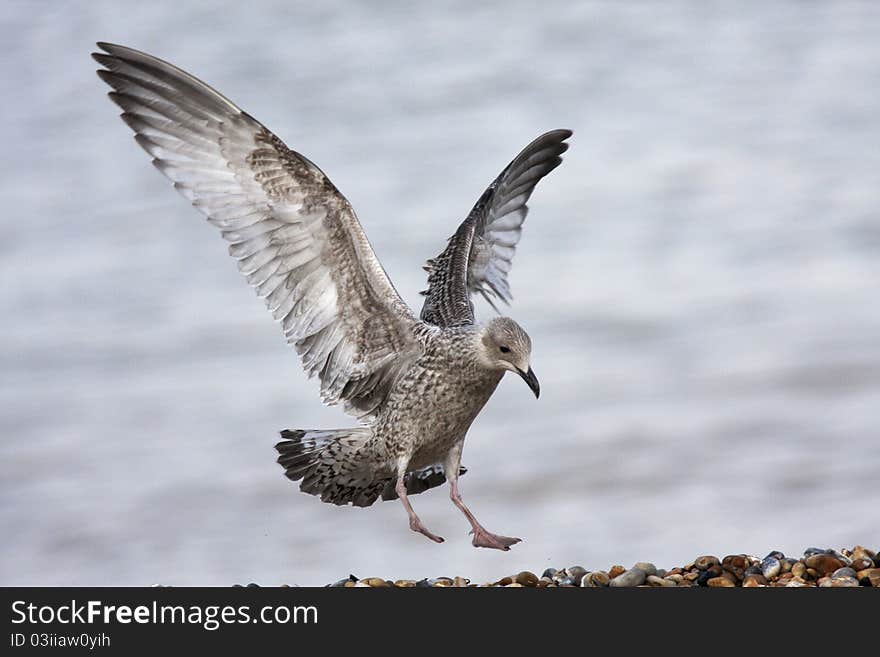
<point x="339" y="466"/>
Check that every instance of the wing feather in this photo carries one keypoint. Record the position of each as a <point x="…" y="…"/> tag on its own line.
<point x="479" y="256"/>
<point x="295" y="237"/>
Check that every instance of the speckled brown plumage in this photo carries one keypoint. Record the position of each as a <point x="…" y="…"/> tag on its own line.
<point x="416" y="384"/>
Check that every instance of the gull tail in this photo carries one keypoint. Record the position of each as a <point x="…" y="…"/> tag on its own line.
<point x="341" y="467"/>
<point x="334" y="464"/>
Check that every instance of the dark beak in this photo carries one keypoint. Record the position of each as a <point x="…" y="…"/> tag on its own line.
<point x="531" y="380"/>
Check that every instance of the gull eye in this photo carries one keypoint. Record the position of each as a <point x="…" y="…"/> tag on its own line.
<point x="504" y="350"/>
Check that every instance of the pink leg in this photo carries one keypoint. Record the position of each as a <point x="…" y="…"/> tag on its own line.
<point x="414" y="523"/>
<point x="482" y="537"/>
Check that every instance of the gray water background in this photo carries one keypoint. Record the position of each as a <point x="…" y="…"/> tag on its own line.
<point x="700" y="279"/>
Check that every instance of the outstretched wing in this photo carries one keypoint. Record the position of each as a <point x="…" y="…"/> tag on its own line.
<point x="295" y="237"/>
<point x="480" y="253"/>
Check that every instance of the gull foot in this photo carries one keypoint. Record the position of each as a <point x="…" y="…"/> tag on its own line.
<point x="417" y="526"/>
<point x="485" y="539"/>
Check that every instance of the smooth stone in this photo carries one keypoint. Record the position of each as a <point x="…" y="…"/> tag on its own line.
<point x="631" y="577"/>
<point x="795" y="583"/>
<point x="846" y="571"/>
<point x="404" y="583"/>
<point x="504" y="581"/>
<point x="550" y="572"/>
<point x="754" y="579"/>
<point x="872" y="574"/>
<point x="844" y="581"/>
<point x="787" y="563"/>
<point x="566" y="581"/>
<point x="676" y="577"/>
<point x="860" y="552"/>
<point x="461" y="582"/>
<point x="359" y="585"/>
<point x="648" y="568"/>
<point x="654" y="580"/>
<point x="798" y="569"/>
<point x="525" y="578"/>
<point x="422" y="583"/>
<point x="823" y="563"/>
<point x="576" y="573"/>
<point x="841" y="557"/>
<point x="661" y="572"/>
<point x="719" y="582"/>
<point x="735" y="560"/>
<point x="616" y="571"/>
<point x="376" y="582"/>
<point x="597" y="578"/>
<point x="754" y="569"/>
<point x="514" y="585"/>
<point x="705" y="575"/>
<point x="811" y="551"/>
<point x="776" y="554"/>
<point x="861" y="563"/>
<point x="706" y="562"/>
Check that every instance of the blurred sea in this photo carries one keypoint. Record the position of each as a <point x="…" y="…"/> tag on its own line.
<point x="700" y="279"/>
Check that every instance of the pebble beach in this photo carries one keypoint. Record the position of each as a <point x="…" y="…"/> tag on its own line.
<point x="816" y="567"/>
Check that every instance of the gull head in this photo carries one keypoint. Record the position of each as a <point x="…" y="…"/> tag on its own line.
<point x="504" y="345"/>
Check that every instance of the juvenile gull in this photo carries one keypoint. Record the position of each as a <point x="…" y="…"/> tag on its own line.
<point x="415" y="383"/>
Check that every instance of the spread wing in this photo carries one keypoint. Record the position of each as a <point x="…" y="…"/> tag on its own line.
<point x="479" y="255"/>
<point x="295" y="237"/>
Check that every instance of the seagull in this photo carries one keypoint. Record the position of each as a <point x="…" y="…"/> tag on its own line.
<point x="415" y="384"/>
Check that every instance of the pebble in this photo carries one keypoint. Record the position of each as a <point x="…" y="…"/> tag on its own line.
<point x="787" y="563"/>
<point x="648" y="568"/>
<point x="597" y="578"/>
<point x="823" y="563"/>
<point x="845" y="580"/>
<point x="735" y="564"/>
<point x="615" y="571"/>
<point x="631" y="577"/>
<point x="704" y="576"/>
<point x="861" y="563"/>
<point x="706" y="562"/>
<point x="770" y="567"/>
<point x="719" y="582"/>
<point x="576" y="573"/>
<point x="525" y="578"/>
<point x="818" y="567"/>
<point x="754" y="579"/>
<point x="870" y="574"/>
<point x="375" y="582"/>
